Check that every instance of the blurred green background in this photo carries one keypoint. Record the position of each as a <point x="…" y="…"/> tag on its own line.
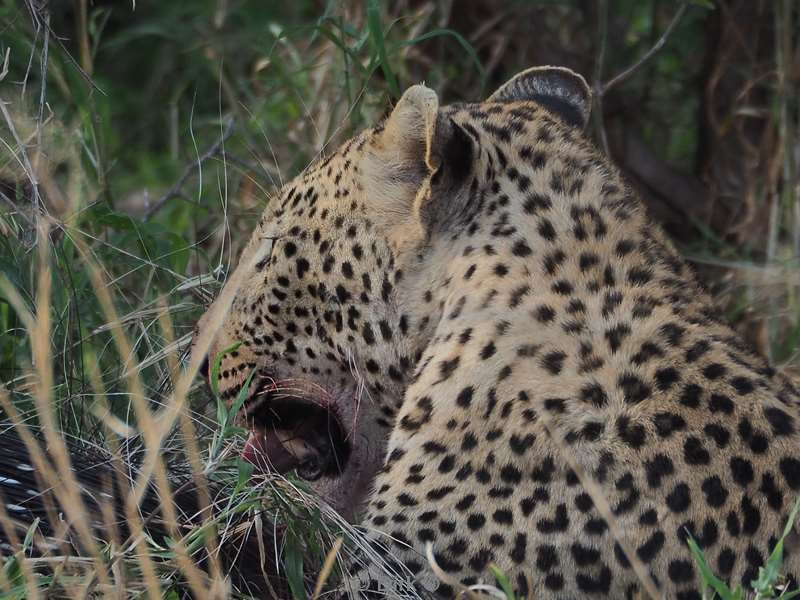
<point x="155" y="133"/>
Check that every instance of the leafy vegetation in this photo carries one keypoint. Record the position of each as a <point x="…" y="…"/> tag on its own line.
<point x="146" y="139"/>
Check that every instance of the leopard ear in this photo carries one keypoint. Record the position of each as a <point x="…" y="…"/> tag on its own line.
<point x="410" y="129"/>
<point x="558" y="89"/>
<point x="418" y="163"/>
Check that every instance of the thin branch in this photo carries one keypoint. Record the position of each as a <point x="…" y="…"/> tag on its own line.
<point x="602" y="35"/>
<point x="647" y="55"/>
<point x="176" y="191"/>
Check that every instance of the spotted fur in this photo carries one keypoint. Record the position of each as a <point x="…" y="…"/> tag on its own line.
<point x="501" y="294"/>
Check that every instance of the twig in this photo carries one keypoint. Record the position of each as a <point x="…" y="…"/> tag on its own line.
<point x="32" y="8"/>
<point x="647" y="55"/>
<point x="177" y="189"/>
<point x="602" y="34"/>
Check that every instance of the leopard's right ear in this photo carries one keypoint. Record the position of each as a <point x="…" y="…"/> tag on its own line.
<point x="409" y="131"/>
<point x="417" y="163"/>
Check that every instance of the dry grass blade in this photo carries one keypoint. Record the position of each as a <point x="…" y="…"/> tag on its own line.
<point x="595" y="491"/>
<point x="64" y="484"/>
<point x="153" y="433"/>
<point x="192" y="450"/>
<point x="462" y="591"/>
<point x="327" y="567"/>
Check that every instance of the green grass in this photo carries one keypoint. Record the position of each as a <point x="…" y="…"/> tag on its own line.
<point x="770" y="583"/>
<point x="152" y="135"/>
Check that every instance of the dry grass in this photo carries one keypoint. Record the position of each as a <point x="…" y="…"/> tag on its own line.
<point x="115" y="235"/>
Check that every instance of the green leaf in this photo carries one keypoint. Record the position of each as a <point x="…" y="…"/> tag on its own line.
<point x="502" y="581"/>
<point x="708" y="577"/>
<point x="462" y="41"/>
<point x="240" y="398"/>
<point x="215" y="365"/>
<point x="293" y="563"/>
<point x="244" y="473"/>
<point x="172" y="594"/>
<point x="770" y="574"/>
<point x="27" y="544"/>
<point x="379" y="45"/>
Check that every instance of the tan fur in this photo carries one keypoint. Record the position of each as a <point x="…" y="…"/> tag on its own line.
<point x="550" y="293"/>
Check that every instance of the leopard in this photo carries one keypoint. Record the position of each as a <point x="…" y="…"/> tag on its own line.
<point x="465" y="332"/>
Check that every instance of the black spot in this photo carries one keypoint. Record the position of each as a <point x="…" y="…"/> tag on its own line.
<point x="751" y="517"/>
<point x="667" y="423"/>
<point x="553" y="260"/>
<point x="503" y="516"/>
<point x="732" y="524"/>
<point x="690" y="396"/>
<point x="616" y="335"/>
<point x="633" y="388"/>
<point x="587" y="260"/>
<point x="781" y="422"/>
<point x="694" y="453"/>
<point x="726" y="562"/>
<point x="545" y="313"/>
<point x="718" y="433"/>
<point x="553" y="362"/>
<point x="633" y="434"/>
<point x="560" y="521"/>
<point x="386" y="331"/>
<point x="742" y="471"/>
<point x="594" y="394"/>
<point x="697" y="350"/>
<point x="521" y="248"/>
<point x="368" y="334"/>
<point x="464" y="398"/>
<point x="679" y="498"/>
<point x="658" y="467"/>
<point x="289" y="249"/>
<point x="672" y="333"/>
<point x="584" y="502"/>
<point x="666" y="378"/>
<point x="546" y="230"/>
<point x="592" y="430"/>
<point x="536" y="202"/>
<point x="610" y="302"/>
<point x="510" y="474"/>
<point x="650" y="549"/>
<point x="720" y="403"/>
<point x="584" y="555"/>
<point x="302" y="267"/>
<point x="624" y="247"/>
<point x="790" y="469"/>
<point x="476" y="521"/>
<point x="742" y="385"/>
<point x="546" y="557"/>
<point x="639" y="275"/>
<point x="595" y="585"/>
<point x="562" y="287"/>
<point x="715" y="492"/>
<point x="714" y="371"/>
<point x="770" y="489"/>
<point x="488" y="351"/>
<point x="555" y="405"/>
<point x="447" y="367"/>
